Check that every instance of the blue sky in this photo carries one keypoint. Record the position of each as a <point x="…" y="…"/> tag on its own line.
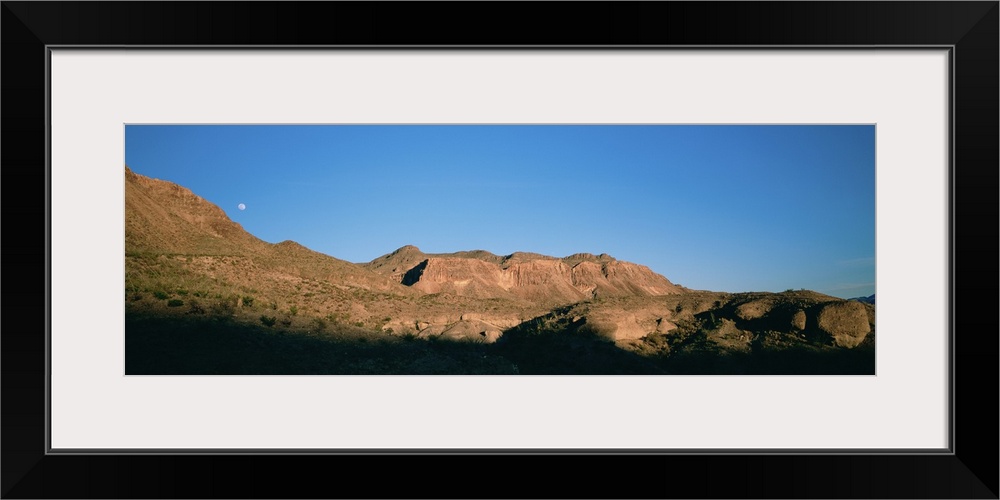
<point x="711" y="207"/>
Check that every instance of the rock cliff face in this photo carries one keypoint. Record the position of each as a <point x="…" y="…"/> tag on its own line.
<point x="525" y="276"/>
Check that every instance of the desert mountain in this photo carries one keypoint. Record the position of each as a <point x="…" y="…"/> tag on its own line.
<point x="187" y="261"/>
<point x="163" y="218"/>
<point x="178" y="243"/>
<point x="525" y="276"/>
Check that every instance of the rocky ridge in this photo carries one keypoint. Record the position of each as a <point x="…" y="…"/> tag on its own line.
<point x="473" y="295"/>
<point x="522" y="276"/>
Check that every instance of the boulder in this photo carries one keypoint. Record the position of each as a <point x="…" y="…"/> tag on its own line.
<point x="754" y="309"/>
<point x="476" y="331"/>
<point x="616" y="327"/>
<point x="799" y="320"/>
<point x="846" y="322"/>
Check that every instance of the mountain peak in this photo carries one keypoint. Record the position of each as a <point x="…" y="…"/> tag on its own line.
<point x="406" y="249"/>
<point x="589" y="257"/>
<point x="164" y="217"/>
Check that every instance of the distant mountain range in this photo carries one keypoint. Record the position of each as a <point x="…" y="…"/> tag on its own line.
<point x="867" y="300"/>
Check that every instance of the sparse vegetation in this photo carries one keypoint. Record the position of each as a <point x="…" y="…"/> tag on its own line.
<point x="222" y="308"/>
<point x="195" y="307"/>
<point x="369" y="324"/>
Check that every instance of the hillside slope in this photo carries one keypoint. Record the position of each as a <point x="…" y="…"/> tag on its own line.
<point x="187" y="265"/>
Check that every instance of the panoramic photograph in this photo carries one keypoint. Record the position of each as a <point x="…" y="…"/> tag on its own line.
<point x="499" y="249"/>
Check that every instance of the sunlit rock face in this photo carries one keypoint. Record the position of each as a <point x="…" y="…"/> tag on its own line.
<point x="524" y="276"/>
<point x="846" y="322"/>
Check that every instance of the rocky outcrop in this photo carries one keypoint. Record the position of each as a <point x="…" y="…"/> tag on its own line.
<point x="521" y="275"/>
<point x="842" y="323"/>
<point x="471" y="330"/>
<point x="618" y="326"/>
<point x="845" y="322"/>
<point x="799" y="320"/>
<point x="754" y="309"/>
<point x="398" y="263"/>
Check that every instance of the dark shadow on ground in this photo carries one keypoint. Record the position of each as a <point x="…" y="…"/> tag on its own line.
<point x="164" y="345"/>
<point x="541" y="349"/>
<point x="206" y="345"/>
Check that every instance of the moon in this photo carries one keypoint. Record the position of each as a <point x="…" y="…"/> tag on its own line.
<point x="241" y="206"/>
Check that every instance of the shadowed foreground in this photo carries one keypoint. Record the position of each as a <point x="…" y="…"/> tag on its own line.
<point x="171" y="345"/>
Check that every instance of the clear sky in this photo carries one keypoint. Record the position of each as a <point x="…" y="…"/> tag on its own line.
<point x="724" y="208"/>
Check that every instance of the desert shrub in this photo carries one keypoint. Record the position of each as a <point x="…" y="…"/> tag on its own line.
<point x="319" y="324"/>
<point x="409" y="337"/>
<point x="359" y="324"/>
<point x="247" y="301"/>
<point x="161" y="295"/>
<point x="293" y="310"/>
<point x="286" y="321"/>
<point x="196" y="307"/>
<point x="223" y="308"/>
<point x="136" y="297"/>
<point x="181" y="291"/>
<point x="175" y="303"/>
<point x="268" y="320"/>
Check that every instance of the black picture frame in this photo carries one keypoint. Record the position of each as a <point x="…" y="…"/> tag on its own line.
<point x="969" y="28"/>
